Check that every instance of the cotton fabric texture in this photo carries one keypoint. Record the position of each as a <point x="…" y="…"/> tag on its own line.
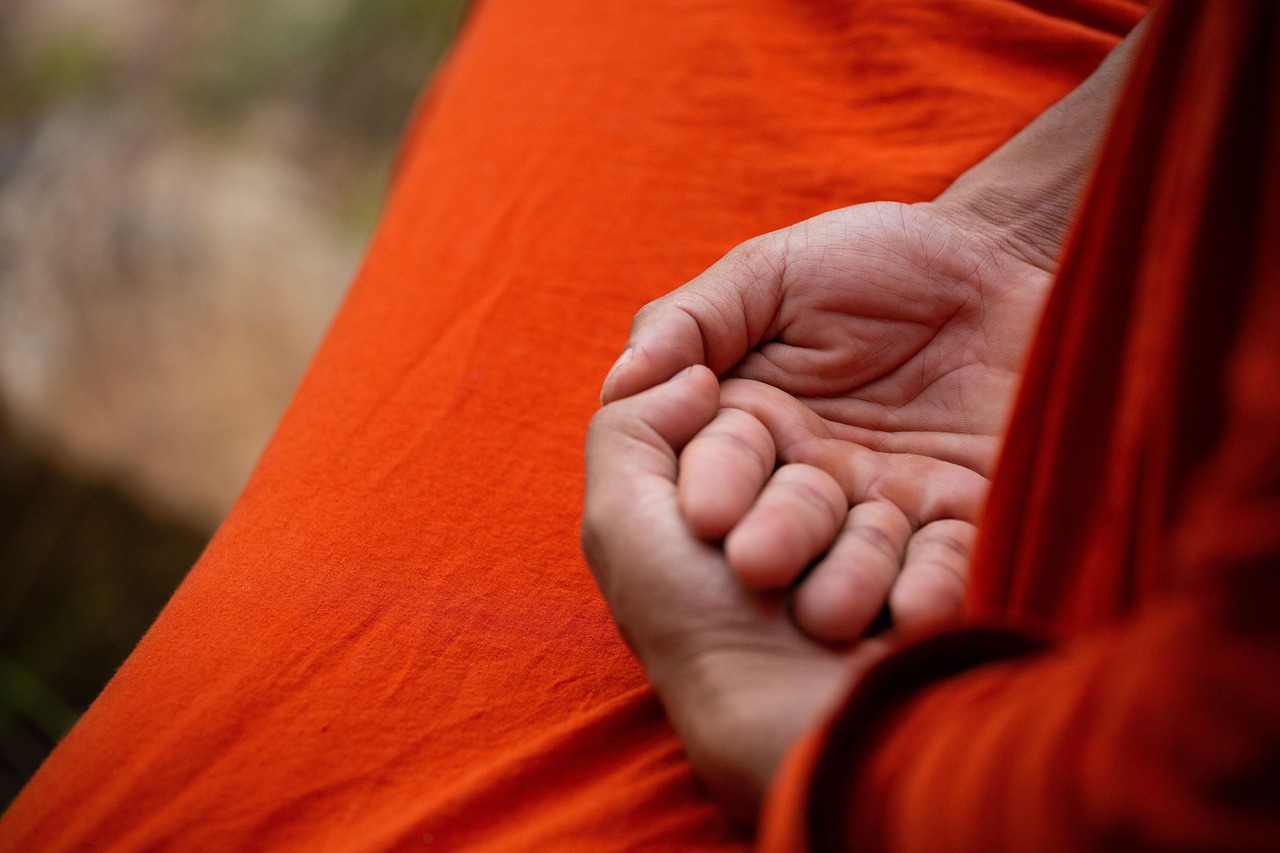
<point x="393" y="643"/>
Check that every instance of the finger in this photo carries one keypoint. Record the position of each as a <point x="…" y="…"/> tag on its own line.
<point x="846" y="590"/>
<point x="794" y="520"/>
<point x="935" y="573"/>
<point x="631" y="455"/>
<point x="641" y="434"/>
<point x="713" y="320"/>
<point x="722" y="470"/>
<point x="926" y="489"/>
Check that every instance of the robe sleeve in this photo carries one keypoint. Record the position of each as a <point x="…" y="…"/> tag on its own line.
<point x="1162" y="734"/>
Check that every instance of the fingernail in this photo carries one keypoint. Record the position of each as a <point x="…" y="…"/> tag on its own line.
<point x="622" y="359"/>
<point x="682" y="374"/>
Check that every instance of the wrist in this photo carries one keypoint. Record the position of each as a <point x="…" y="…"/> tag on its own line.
<point x="1024" y="196"/>
<point x="1026" y="217"/>
<point x="728" y="736"/>
<point x="739" y="709"/>
<point x="1010" y="223"/>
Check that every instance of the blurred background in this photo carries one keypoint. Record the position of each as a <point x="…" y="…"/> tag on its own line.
<point x="186" y="187"/>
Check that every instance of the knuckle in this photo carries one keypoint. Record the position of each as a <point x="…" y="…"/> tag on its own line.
<point x="736" y="444"/>
<point x="878" y="539"/>
<point x="759" y="255"/>
<point x="646" y="312"/>
<point x="812" y="492"/>
<point x="606" y="420"/>
<point x="954" y="543"/>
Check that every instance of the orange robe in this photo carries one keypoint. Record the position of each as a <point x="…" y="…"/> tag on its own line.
<point x="392" y="641"/>
<point x="1133" y="531"/>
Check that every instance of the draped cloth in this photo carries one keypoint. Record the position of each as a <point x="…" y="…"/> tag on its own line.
<point x="393" y="643"/>
<point x="1133" y="531"/>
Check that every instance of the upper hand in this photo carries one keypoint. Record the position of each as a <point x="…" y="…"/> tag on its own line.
<point x="872" y="353"/>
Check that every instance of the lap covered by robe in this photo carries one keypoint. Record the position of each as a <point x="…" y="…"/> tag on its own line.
<point x="393" y="641"/>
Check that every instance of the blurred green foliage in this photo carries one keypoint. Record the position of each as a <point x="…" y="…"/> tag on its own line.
<point x="71" y="64"/>
<point x="352" y="68"/>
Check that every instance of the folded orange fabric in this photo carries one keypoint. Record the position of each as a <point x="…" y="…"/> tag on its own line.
<point x="393" y="641"/>
<point x="1134" y="523"/>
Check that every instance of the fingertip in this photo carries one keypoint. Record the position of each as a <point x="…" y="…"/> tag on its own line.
<point x="930" y="591"/>
<point x="692" y="396"/>
<point x="635" y="371"/>
<point x="700" y="377"/>
<point x="833" y="616"/>
<point x="709" y="517"/>
<point x="665" y="337"/>
<point x="662" y="418"/>
<point x="722" y="470"/>
<point x="926" y="606"/>
<point x="609" y="388"/>
<point x="763" y="562"/>
<point x="705" y="518"/>
<point x="793" y="521"/>
<point x="842" y="597"/>
<point x="837" y="618"/>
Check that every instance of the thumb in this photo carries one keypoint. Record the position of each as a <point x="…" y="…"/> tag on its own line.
<point x="640" y="435"/>
<point x="714" y="320"/>
<point x="631" y="466"/>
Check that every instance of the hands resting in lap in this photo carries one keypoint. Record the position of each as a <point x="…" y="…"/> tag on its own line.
<point x="796" y="439"/>
<point x="801" y="439"/>
<point x="868" y="359"/>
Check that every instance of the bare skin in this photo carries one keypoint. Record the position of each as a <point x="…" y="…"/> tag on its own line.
<point x="867" y="413"/>
<point x="851" y="377"/>
<point x="738" y="680"/>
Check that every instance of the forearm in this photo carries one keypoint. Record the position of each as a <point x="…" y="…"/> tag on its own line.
<point x="1026" y="193"/>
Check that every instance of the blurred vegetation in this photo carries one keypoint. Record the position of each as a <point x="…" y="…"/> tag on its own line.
<point x="352" y="68"/>
<point x="72" y="64"/>
<point x="84" y="567"/>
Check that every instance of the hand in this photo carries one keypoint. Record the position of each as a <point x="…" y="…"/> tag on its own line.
<point x="873" y="352"/>
<point x="739" y="681"/>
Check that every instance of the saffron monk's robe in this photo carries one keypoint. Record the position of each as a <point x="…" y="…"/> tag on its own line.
<point x="1133" y="530"/>
<point x="392" y="641"/>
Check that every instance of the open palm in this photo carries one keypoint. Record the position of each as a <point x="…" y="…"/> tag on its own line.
<point x="868" y="360"/>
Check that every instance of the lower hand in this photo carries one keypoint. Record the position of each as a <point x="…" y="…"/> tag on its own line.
<point x="848" y="531"/>
<point x="740" y="681"/>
